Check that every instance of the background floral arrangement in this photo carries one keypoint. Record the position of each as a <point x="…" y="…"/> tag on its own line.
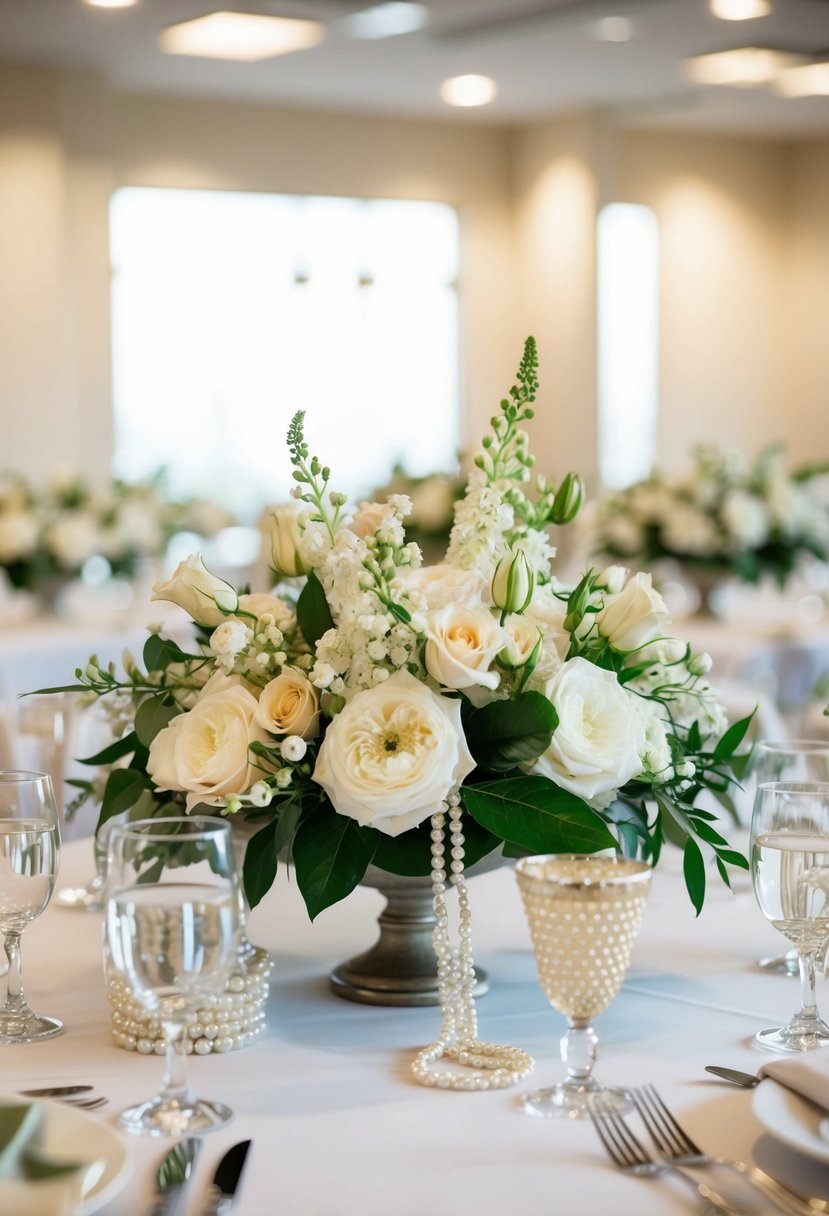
<point x="725" y="515"/>
<point x="52" y="530"/>
<point x="433" y="499"/>
<point x="341" y="713"/>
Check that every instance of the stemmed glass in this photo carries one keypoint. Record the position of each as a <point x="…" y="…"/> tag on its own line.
<point x="584" y="913"/>
<point x="789" y="760"/>
<point x="790" y="872"/>
<point x="172" y="927"/>
<point x="29" y="851"/>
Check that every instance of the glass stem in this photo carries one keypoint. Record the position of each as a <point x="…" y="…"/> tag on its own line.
<point x="578" y="1051"/>
<point x="175" y="1088"/>
<point x="808" y="999"/>
<point x="15" y="1005"/>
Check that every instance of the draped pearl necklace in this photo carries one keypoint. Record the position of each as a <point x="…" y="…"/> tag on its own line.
<point x="490" y="1065"/>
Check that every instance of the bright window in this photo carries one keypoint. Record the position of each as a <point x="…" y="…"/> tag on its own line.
<point x="232" y="311"/>
<point x="628" y="342"/>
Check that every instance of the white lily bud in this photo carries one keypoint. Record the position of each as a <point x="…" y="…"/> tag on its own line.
<point x="513" y="582"/>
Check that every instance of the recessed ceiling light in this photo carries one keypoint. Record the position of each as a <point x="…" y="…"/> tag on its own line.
<point x="745" y="66"/>
<point x="739" y="10"/>
<point x="386" y="20"/>
<point x="468" y="90"/>
<point x="110" y="3"/>
<point x="240" y="36"/>
<point x="809" y="80"/>
<point x="612" y="29"/>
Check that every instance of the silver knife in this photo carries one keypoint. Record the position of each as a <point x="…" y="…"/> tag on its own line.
<point x="172" y="1175"/>
<point x="226" y="1180"/>
<point x="745" y="1079"/>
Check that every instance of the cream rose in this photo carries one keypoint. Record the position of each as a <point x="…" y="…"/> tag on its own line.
<point x="284" y="538"/>
<point x="262" y="603"/>
<point x="205" y="751"/>
<point x="462" y="643"/>
<point x="635" y="616"/>
<point x="600" y="738"/>
<point x="207" y="598"/>
<point x="443" y="584"/>
<point x="393" y="754"/>
<point x="524" y="639"/>
<point x="289" y="705"/>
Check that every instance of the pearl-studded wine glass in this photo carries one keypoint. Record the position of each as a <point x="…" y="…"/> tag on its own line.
<point x="172" y="929"/>
<point x="584" y="913"/>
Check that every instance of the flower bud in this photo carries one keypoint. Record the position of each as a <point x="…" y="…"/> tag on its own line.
<point x="699" y="664"/>
<point x="293" y="748"/>
<point x="513" y="582"/>
<point x="568" y="500"/>
<point x="284" y="537"/>
<point x="206" y="597"/>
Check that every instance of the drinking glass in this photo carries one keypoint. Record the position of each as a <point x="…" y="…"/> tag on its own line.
<point x="789" y="760"/>
<point x="29" y="851"/>
<point x="172" y="925"/>
<point x="790" y="872"/>
<point x="584" y="913"/>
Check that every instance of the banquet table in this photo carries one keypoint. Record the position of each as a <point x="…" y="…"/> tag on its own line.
<point x="339" y="1126"/>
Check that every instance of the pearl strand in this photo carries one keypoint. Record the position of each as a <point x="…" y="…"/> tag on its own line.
<point x="493" y="1065"/>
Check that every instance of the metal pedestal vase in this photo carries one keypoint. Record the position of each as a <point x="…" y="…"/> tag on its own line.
<point x="400" y="969"/>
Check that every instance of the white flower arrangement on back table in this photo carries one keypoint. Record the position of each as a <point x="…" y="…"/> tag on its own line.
<point x="725" y="516"/>
<point x="374" y="702"/>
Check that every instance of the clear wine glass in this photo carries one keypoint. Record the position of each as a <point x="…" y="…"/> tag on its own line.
<point x="172" y="928"/>
<point x="29" y="852"/>
<point x="584" y="913"/>
<point x="790" y="872"/>
<point x="789" y="760"/>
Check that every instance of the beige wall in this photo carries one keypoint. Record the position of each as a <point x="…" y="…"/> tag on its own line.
<point x="744" y="235"/>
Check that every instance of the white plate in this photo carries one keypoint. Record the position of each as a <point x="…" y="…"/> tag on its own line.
<point x="71" y="1133"/>
<point x="791" y="1119"/>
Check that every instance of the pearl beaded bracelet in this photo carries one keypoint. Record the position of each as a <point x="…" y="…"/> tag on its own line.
<point x="232" y="1019"/>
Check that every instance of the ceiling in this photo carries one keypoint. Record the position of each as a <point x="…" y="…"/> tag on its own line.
<point x="544" y="55"/>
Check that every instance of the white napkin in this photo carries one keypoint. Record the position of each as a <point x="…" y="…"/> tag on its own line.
<point x="807" y="1076"/>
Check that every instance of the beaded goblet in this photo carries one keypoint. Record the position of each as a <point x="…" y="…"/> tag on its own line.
<point x="584" y="914"/>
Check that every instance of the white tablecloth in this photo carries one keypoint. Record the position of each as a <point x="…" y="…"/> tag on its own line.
<point x="339" y="1127"/>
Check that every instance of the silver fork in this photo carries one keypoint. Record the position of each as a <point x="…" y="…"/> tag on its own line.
<point x="674" y="1145"/>
<point x="630" y="1155"/>
<point x="85" y="1103"/>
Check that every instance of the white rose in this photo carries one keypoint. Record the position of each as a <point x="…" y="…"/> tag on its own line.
<point x="635" y="616"/>
<point x="262" y="603"/>
<point x="613" y="577"/>
<point x="289" y="705"/>
<point x="205" y="751"/>
<point x="73" y="537"/>
<point x="523" y="638"/>
<point x="462" y="643"/>
<point x="370" y="518"/>
<point x="284" y="540"/>
<point x="443" y="584"/>
<point x="548" y="611"/>
<point x="746" y="519"/>
<point x="207" y="598"/>
<point x="19" y="532"/>
<point x="393" y="754"/>
<point x="598" y="743"/>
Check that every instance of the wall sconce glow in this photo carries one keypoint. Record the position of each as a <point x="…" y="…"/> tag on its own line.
<point x="242" y="36"/>
<point x="386" y="20"/>
<point x="111" y="3"/>
<point x="739" y="10"/>
<point x="810" y="80"/>
<point x="628" y="341"/>
<point x="613" y="29"/>
<point x="745" y="66"/>
<point x="468" y="90"/>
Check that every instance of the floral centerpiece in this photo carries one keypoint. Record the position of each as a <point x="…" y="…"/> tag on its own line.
<point x="433" y="498"/>
<point x="350" y="713"/>
<point x="724" y="516"/>
<point x="49" y="532"/>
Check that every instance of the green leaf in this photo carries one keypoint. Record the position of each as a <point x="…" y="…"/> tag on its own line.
<point x="259" y="868"/>
<point x="733" y="858"/>
<point x="123" y="789"/>
<point x="331" y="853"/>
<point x="504" y="733"/>
<point x="694" y="869"/>
<point x="694" y="737"/>
<point x="732" y="738"/>
<point x="121" y="747"/>
<point x="159" y="652"/>
<point x="536" y="813"/>
<point x="152" y="715"/>
<point x="312" y="611"/>
<point x="411" y="853"/>
<point x="724" y="875"/>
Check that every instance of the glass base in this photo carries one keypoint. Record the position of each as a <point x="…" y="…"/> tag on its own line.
<point x="781" y="964"/>
<point x="166" y="1117"/>
<point x="28" y="1029"/>
<point x="88" y="898"/>
<point x="797" y="1037"/>
<point x="571" y="1101"/>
